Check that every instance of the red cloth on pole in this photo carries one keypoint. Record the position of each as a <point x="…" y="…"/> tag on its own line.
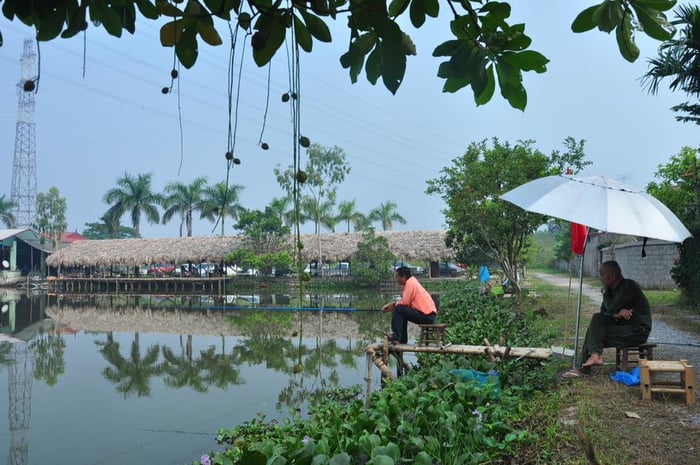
<point x="578" y="238"/>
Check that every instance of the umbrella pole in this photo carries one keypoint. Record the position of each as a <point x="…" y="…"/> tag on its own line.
<point x="578" y="306"/>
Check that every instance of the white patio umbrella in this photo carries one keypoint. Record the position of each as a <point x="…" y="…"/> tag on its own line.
<point x="602" y="204"/>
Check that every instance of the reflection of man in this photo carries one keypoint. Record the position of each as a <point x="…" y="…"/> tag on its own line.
<point x="416" y="305"/>
<point x="624" y="319"/>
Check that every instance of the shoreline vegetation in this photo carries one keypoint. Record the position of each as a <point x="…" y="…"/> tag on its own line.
<point x="430" y="416"/>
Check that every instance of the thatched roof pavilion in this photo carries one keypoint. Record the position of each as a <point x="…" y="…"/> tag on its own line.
<point x="406" y="245"/>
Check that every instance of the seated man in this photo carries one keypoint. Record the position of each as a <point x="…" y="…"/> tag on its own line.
<point x="416" y="305"/>
<point x="624" y="318"/>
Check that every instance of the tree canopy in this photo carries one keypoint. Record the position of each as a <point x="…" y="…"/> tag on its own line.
<point x="476" y="218"/>
<point x="485" y="47"/>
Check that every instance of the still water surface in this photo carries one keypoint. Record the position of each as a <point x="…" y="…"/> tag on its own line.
<point x="97" y="391"/>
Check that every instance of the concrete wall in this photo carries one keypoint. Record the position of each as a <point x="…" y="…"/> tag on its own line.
<point x="651" y="272"/>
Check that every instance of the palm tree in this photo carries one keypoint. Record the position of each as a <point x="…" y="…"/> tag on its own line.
<point x="679" y="59"/>
<point x="6" y="215"/>
<point x="284" y="209"/>
<point x="386" y="214"/>
<point x="320" y="213"/>
<point x="221" y="201"/>
<point x="347" y="212"/>
<point x="135" y="196"/>
<point x="185" y="200"/>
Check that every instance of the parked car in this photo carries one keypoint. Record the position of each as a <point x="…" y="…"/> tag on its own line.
<point x="415" y="270"/>
<point x="340" y="269"/>
<point x="451" y="270"/>
<point x="281" y="271"/>
<point x="314" y="270"/>
<point x="249" y="272"/>
<point x="160" y="269"/>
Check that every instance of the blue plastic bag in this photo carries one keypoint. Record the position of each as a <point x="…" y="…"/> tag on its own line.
<point x="490" y="378"/>
<point x="630" y="378"/>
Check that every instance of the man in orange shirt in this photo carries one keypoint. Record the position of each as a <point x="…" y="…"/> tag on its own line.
<point x="416" y="305"/>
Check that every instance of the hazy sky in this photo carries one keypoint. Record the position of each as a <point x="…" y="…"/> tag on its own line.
<point x="92" y="129"/>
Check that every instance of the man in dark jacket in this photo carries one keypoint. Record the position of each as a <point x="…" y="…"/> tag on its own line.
<point x="624" y="319"/>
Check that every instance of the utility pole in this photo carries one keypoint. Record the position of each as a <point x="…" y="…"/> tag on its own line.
<point x="23" y="191"/>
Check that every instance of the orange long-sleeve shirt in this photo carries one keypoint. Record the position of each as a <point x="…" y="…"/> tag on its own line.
<point x="416" y="297"/>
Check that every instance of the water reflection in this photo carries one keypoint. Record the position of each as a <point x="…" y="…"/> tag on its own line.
<point x="167" y="371"/>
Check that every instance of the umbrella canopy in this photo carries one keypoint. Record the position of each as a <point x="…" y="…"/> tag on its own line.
<point x="599" y="203"/>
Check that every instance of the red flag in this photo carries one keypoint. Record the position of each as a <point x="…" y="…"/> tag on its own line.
<point x="578" y="238"/>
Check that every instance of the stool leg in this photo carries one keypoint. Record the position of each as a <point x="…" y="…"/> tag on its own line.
<point x="688" y="383"/>
<point x="645" y="381"/>
<point x="625" y="355"/>
<point x="618" y="361"/>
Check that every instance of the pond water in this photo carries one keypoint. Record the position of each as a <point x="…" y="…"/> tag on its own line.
<point x="151" y="379"/>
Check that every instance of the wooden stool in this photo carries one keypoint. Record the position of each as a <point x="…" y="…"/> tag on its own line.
<point x="431" y="334"/>
<point x="686" y="384"/>
<point x="625" y="356"/>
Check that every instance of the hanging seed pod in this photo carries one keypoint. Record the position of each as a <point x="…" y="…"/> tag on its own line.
<point x="173" y="74"/>
<point x="165" y="90"/>
<point x="244" y="21"/>
<point x="285" y="97"/>
<point x="236" y="161"/>
<point x="301" y="177"/>
<point x="304" y="141"/>
<point x="264" y="146"/>
<point x="229" y="156"/>
<point x="29" y="85"/>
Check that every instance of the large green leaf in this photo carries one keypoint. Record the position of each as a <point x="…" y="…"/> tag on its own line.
<point x="208" y="33"/>
<point x="516" y="96"/>
<point x="147" y="9"/>
<point x="373" y="66"/>
<point x="353" y="59"/>
<point x="396" y="7"/>
<point x="110" y="19"/>
<point x="625" y="40"/>
<point x="50" y="26"/>
<point x="417" y="13"/>
<point x="166" y="8"/>
<point x="393" y="57"/>
<point x="170" y="33"/>
<point x="317" y="27"/>
<point x="274" y="30"/>
<point x="303" y="37"/>
<point x="609" y="15"/>
<point x="431" y="8"/>
<point x="528" y="60"/>
<point x="653" y="22"/>
<point x="449" y="48"/>
<point x="585" y="20"/>
<point x="186" y="47"/>
<point x="484" y="96"/>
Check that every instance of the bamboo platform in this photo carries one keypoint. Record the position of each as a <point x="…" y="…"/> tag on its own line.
<point x="378" y="354"/>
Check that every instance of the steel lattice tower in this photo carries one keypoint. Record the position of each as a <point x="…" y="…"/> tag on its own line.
<point x="23" y="192"/>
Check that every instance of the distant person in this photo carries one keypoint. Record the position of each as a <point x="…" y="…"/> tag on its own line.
<point x="416" y="305"/>
<point x="624" y="319"/>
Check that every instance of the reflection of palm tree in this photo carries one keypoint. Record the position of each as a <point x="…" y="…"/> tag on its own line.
<point x="48" y="359"/>
<point x="183" y="370"/>
<point x="219" y="368"/>
<point x="132" y="374"/>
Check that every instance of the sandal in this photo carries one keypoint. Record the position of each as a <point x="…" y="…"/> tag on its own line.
<point x="571" y="374"/>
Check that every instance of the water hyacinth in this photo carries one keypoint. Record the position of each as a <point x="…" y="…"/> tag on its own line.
<point x="205" y="459"/>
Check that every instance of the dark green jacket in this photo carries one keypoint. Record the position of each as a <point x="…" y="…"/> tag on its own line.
<point x="627" y="295"/>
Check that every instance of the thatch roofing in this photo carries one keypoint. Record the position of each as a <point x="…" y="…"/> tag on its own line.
<point x="406" y="245"/>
